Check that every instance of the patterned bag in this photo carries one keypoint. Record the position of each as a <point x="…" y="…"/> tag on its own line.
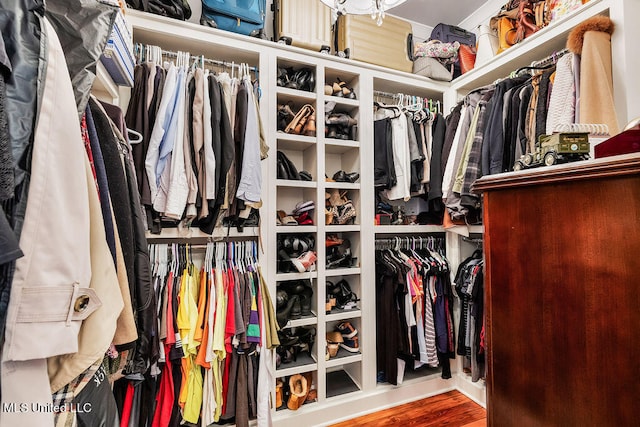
<point x="447" y="53"/>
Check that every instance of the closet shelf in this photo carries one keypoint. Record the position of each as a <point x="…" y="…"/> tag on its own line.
<point x="342" y="272"/>
<point x="343" y="185"/>
<point x="296" y="228"/>
<point x="295" y="94"/>
<point x="288" y="141"/>
<point x="303" y="321"/>
<point x="303" y="363"/>
<point x="339" y="146"/>
<point x="344" y="357"/>
<point x="280" y="277"/>
<point x="295" y="183"/>
<point x="174" y="234"/>
<point x="338" y="315"/>
<point x="535" y="47"/>
<point x="342" y="228"/>
<point x="103" y="85"/>
<point x="408" y="229"/>
<point x="341" y="101"/>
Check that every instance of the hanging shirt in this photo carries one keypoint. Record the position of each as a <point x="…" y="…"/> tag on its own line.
<point x="153" y="161"/>
<point x="250" y="186"/>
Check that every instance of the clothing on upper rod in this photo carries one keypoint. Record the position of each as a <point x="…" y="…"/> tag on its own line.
<point x="199" y="161"/>
<point x="408" y="137"/>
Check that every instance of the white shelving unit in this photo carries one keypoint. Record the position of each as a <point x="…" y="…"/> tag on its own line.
<point x="347" y="384"/>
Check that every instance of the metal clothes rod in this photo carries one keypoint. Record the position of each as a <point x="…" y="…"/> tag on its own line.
<point x="216" y="62"/>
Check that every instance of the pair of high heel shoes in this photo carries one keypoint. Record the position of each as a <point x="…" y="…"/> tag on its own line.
<point x="302" y="79"/>
<point x="301" y="123"/>
<point x="293" y="342"/>
<point x="339" y="89"/>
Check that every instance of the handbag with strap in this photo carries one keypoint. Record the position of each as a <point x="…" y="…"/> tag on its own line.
<point x="238" y="16"/>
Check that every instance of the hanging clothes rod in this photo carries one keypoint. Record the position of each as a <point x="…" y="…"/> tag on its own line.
<point x="201" y="58"/>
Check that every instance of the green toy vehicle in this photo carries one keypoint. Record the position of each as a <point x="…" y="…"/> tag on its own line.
<point x="556" y="148"/>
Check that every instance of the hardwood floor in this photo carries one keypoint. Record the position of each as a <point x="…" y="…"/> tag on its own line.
<point x="449" y="409"/>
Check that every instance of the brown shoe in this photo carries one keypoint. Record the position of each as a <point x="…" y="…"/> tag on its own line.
<point x="298" y="390"/>
<point x="279" y="385"/>
<point x="310" y="126"/>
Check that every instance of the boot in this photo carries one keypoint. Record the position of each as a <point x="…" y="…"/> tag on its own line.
<point x="282" y="316"/>
<point x="298" y="391"/>
<point x="279" y="384"/>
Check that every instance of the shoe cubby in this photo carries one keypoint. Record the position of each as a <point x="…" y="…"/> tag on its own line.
<point x="342" y="210"/>
<point x="296" y="390"/>
<point x="344" y="257"/>
<point x="341" y="157"/>
<point x="297" y="303"/>
<point x="343" y="380"/>
<point x="295" y="76"/>
<point x="342" y="297"/>
<point x="341" y="86"/>
<point x="296" y="255"/>
<point x="296" y="209"/>
<point x="297" y="165"/>
<point x="340" y="121"/>
<point x="298" y="350"/>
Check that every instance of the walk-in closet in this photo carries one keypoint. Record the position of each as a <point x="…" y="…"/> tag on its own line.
<point x="243" y="227"/>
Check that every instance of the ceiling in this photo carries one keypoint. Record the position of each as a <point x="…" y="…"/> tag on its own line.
<point x="432" y="12"/>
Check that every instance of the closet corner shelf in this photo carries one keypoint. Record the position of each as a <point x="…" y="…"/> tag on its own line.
<point x="535" y="47"/>
<point x="342" y="185"/>
<point x="296" y="229"/>
<point x="342" y="272"/>
<point x="340" y="101"/>
<point x="342" y="228"/>
<point x="103" y="85"/>
<point x="344" y="357"/>
<point x="296" y="94"/>
<point x="303" y="363"/>
<point x="339" y="146"/>
<point x="295" y="183"/>
<point x="170" y="234"/>
<point x="303" y="321"/>
<point x="408" y="229"/>
<point x="280" y="277"/>
<point x="289" y="141"/>
<point x="339" y="315"/>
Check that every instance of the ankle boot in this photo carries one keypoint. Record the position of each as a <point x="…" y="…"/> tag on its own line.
<point x="298" y="391"/>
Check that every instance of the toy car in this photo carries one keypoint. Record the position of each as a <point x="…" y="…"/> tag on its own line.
<point x="555" y="148"/>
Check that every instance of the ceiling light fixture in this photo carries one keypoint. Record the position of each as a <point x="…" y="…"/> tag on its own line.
<point x="376" y="8"/>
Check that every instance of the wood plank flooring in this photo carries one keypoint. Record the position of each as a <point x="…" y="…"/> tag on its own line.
<point x="449" y="409"/>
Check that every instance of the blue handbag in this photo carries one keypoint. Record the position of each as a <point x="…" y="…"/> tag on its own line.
<point x="238" y="16"/>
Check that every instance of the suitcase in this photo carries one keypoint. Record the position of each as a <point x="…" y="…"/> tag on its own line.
<point x="450" y="33"/>
<point x="303" y="23"/>
<point x="242" y="17"/>
<point x="389" y="45"/>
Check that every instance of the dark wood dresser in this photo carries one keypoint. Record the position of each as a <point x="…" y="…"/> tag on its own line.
<point x="562" y="248"/>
